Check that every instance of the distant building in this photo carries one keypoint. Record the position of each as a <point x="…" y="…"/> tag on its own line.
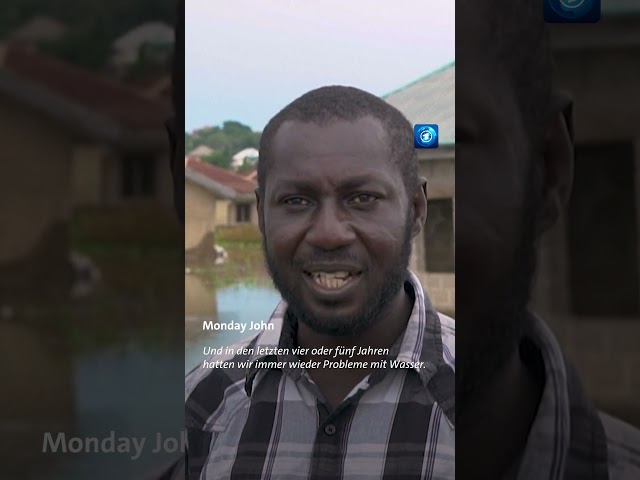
<point x="431" y="99"/>
<point x="215" y="197"/>
<point x="156" y="37"/>
<point x="201" y="151"/>
<point x="588" y="284"/>
<point x="37" y="29"/>
<point x="70" y="139"/>
<point x="117" y="148"/>
<point x="250" y="155"/>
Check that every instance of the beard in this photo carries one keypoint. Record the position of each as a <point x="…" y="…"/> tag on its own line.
<point x="500" y="331"/>
<point x="380" y="295"/>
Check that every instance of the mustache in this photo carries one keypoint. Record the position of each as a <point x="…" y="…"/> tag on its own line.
<point x="342" y="255"/>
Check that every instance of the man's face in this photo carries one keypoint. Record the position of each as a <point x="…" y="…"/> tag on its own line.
<point x="336" y="223"/>
<point x="496" y="207"/>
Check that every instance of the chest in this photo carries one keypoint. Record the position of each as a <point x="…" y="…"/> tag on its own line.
<point x="385" y="431"/>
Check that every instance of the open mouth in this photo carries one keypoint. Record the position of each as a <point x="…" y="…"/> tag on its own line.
<point x="332" y="280"/>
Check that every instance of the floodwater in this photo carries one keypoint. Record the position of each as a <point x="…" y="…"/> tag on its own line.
<point x="243" y="302"/>
<point x="111" y="362"/>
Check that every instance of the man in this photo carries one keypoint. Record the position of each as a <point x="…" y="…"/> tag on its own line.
<point x="339" y="202"/>
<point x="521" y="412"/>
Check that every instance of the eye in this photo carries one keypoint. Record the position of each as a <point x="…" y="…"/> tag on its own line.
<point x="363" y="198"/>
<point x="297" y="202"/>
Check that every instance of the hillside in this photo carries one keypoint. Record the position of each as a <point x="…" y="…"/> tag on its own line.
<point x="227" y="140"/>
<point x="92" y="24"/>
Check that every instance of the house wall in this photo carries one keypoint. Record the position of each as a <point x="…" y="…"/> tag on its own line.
<point x="231" y="212"/>
<point x="223" y="212"/>
<point x="88" y="175"/>
<point x="35" y="180"/>
<point x="112" y="175"/>
<point x="439" y="169"/>
<point x="604" y="348"/>
<point x="200" y="214"/>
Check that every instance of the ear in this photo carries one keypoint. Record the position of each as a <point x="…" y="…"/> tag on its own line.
<point x="558" y="165"/>
<point x="260" y="210"/>
<point x="419" y="206"/>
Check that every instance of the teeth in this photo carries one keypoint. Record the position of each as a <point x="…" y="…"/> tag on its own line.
<point x="334" y="280"/>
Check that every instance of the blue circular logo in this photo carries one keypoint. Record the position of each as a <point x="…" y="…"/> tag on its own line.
<point x="426" y="136"/>
<point x="571" y="9"/>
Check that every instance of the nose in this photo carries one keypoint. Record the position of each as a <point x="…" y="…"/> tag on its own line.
<point x="330" y="228"/>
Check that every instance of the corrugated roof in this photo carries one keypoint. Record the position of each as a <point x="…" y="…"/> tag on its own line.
<point x="620" y="7"/>
<point x="430" y="99"/>
<point x="226" y="178"/>
<point x="109" y="98"/>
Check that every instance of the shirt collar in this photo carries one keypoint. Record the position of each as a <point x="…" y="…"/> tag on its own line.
<point x="566" y="439"/>
<point x="421" y="342"/>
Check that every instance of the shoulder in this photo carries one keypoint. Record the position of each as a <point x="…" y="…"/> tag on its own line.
<point x="448" y="329"/>
<point x="623" y="448"/>
<point x="208" y="389"/>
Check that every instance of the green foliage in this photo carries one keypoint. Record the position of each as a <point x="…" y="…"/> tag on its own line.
<point x="92" y="24"/>
<point x="220" y="159"/>
<point x="246" y="167"/>
<point x="88" y="48"/>
<point x="238" y="234"/>
<point x="231" y="138"/>
<point x="116" y="16"/>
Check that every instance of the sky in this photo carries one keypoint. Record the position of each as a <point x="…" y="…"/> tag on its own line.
<point x="247" y="59"/>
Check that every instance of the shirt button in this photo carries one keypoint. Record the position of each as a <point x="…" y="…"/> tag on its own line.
<point x="330" y="429"/>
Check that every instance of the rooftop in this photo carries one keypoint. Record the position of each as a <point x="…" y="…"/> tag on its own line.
<point x="229" y="181"/>
<point x="430" y="99"/>
<point x="119" y="102"/>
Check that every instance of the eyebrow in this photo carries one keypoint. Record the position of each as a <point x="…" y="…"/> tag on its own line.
<point x="347" y="184"/>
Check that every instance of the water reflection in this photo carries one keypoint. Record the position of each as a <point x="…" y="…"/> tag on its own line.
<point x="242" y="302"/>
<point x="111" y="361"/>
<point x="42" y="372"/>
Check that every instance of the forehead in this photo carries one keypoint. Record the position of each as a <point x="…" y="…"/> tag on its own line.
<point x="338" y="145"/>
<point x="363" y="136"/>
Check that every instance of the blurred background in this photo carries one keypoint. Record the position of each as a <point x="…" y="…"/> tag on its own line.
<point x="588" y="286"/>
<point x="246" y="60"/>
<point x="91" y="335"/>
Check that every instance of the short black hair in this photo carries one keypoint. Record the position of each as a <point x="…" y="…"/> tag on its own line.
<point x="521" y="43"/>
<point x="327" y="104"/>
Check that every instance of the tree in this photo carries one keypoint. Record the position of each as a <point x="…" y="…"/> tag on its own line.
<point x="221" y="159"/>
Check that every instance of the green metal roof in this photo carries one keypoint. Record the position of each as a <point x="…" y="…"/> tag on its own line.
<point x="620" y="7"/>
<point x="430" y="99"/>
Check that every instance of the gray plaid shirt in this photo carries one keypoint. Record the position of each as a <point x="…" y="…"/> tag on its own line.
<point x="569" y="438"/>
<point x="265" y="423"/>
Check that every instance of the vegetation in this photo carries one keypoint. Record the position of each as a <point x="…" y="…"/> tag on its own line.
<point x="227" y="140"/>
<point x="92" y="25"/>
<point x="236" y="235"/>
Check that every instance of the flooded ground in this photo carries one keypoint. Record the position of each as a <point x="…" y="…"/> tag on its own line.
<point x="239" y="302"/>
<point x="109" y="362"/>
<point x="238" y="291"/>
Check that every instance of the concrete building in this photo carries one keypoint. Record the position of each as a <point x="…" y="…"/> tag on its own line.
<point x="249" y="155"/>
<point x="588" y="286"/>
<point x="431" y="99"/>
<point x="70" y="139"/>
<point x="201" y="151"/>
<point x="119" y="148"/>
<point x="215" y="197"/>
<point x="156" y="37"/>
